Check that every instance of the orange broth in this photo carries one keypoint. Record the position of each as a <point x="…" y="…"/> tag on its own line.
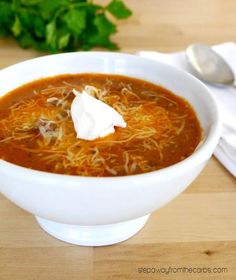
<point x="36" y="129"/>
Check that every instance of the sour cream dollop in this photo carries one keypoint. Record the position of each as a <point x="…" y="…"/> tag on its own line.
<point x="93" y="118"/>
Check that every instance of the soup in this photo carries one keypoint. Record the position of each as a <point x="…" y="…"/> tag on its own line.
<point x="36" y="129"/>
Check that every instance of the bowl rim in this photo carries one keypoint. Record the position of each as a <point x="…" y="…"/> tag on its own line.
<point x="196" y="157"/>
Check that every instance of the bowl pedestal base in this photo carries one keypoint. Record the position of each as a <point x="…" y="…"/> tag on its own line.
<point x="98" y="235"/>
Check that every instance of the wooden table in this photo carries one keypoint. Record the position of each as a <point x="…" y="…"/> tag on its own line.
<point x="196" y="230"/>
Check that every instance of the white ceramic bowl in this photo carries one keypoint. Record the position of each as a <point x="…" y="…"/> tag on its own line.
<point x="100" y="211"/>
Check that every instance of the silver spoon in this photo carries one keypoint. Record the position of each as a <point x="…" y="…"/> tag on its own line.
<point x="209" y="66"/>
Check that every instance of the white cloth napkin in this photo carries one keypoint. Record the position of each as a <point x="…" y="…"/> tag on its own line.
<point x="225" y="151"/>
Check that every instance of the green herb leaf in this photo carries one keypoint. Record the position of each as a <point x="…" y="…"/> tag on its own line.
<point x="63" y="41"/>
<point x="51" y="36"/>
<point x="60" y="25"/>
<point x="39" y="27"/>
<point x="104" y="26"/>
<point x="48" y="8"/>
<point x="76" y="20"/>
<point x="17" y="27"/>
<point x="25" y="40"/>
<point x="118" y="9"/>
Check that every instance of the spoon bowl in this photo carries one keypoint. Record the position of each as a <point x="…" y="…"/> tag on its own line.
<point x="208" y="65"/>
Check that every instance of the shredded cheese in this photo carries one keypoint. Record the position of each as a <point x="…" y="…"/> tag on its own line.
<point x="45" y="120"/>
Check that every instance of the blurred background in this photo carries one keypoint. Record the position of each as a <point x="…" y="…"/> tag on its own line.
<point x="168" y="25"/>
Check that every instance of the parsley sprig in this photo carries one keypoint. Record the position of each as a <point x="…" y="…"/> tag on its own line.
<point x="61" y="25"/>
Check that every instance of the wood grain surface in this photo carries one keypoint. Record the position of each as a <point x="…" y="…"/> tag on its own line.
<point x="194" y="236"/>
